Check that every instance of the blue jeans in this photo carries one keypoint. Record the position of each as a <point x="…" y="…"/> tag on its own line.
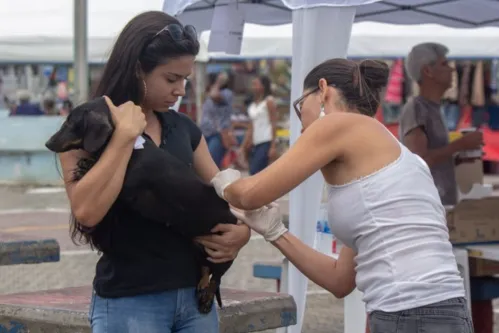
<point x="172" y="311"/>
<point x="216" y="148"/>
<point x="450" y="316"/>
<point x="259" y="158"/>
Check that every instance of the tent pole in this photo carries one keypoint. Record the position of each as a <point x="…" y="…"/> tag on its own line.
<point x="81" y="77"/>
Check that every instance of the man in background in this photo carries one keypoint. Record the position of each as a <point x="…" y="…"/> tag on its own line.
<point x="216" y="116"/>
<point x="424" y="131"/>
<point x="422" y="127"/>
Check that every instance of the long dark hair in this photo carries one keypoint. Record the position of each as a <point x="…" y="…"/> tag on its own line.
<point x="360" y="84"/>
<point x="138" y="47"/>
<point x="267" y="85"/>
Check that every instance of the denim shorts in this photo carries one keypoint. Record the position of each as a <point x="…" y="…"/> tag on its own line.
<point x="450" y="316"/>
<point x="172" y="311"/>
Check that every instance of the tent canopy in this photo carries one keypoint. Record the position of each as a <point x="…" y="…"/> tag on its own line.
<point x="370" y="39"/>
<point x="42" y="31"/>
<point x="33" y="31"/>
<point x="452" y="13"/>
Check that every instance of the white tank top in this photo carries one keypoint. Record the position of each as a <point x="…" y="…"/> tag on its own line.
<point x="262" y="128"/>
<point x="396" y="223"/>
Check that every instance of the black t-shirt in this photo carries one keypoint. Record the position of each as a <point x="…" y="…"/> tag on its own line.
<point x="142" y="256"/>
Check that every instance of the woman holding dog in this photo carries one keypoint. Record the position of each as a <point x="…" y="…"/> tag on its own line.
<point x="382" y="202"/>
<point x="147" y="275"/>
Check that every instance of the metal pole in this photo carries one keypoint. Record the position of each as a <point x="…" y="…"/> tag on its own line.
<point x="81" y="82"/>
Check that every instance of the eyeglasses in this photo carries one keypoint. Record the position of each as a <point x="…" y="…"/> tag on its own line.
<point x="297" y="104"/>
<point x="178" y="32"/>
<point x="299" y="101"/>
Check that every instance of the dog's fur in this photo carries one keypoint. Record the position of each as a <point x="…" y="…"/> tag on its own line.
<point x="157" y="185"/>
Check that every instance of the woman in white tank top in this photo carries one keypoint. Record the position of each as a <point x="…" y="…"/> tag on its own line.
<point x="383" y="205"/>
<point x="260" y="138"/>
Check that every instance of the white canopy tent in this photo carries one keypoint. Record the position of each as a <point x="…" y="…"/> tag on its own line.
<point x="314" y="23"/>
<point x="369" y="39"/>
<point x="42" y="32"/>
<point x="452" y="13"/>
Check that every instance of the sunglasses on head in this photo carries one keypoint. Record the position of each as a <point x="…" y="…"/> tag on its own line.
<point x="178" y="32"/>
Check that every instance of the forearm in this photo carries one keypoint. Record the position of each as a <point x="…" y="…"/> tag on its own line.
<point x="332" y="275"/>
<point x="437" y="156"/>
<point x="274" y="136"/>
<point x="215" y="92"/>
<point x="95" y="193"/>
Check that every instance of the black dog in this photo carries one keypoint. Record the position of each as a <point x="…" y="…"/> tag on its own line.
<point x="157" y="185"/>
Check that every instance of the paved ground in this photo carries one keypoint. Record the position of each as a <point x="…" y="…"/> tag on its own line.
<point x="45" y="214"/>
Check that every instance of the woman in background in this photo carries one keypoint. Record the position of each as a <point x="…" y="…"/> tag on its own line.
<point x="260" y="141"/>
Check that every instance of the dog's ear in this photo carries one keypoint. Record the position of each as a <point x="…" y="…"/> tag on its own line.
<point x="65" y="139"/>
<point x="98" y="131"/>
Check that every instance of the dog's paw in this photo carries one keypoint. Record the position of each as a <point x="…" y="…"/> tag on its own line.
<point x="206" y="297"/>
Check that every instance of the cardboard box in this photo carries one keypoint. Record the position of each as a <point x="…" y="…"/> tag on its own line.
<point x="474" y="221"/>
<point x="468" y="174"/>
<point x="483" y="267"/>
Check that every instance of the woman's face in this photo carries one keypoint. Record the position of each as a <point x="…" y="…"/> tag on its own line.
<point x="310" y="107"/>
<point x="256" y="86"/>
<point x="166" y="83"/>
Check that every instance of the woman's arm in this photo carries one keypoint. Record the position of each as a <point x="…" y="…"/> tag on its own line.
<point x="224" y="246"/>
<point x="203" y="164"/>
<point x="272" y="109"/>
<point x="336" y="276"/>
<point x="323" y="142"/>
<point x="92" y="196"/>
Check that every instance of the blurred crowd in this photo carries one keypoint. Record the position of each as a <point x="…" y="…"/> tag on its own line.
<point x="240" y="134"/>
<point x="23" y="105"/>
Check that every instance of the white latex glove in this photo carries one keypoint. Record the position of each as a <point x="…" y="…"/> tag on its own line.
<point x="267" y="221"/>
<point x="223" y="179"/>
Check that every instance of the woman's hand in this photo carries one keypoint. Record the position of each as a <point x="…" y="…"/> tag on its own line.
<point x="128" y="118"/>
<point x="223" y="179"/>
<point x="267" y="221"/>
<point x="226" y="242"/>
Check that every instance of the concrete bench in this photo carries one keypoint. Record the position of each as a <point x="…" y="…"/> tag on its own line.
<point x="16" y="250"/>
<point x="66" y="311"/>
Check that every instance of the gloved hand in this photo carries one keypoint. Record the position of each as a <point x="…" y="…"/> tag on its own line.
<point x="267" y="221"/>
<point x="223" y="179"/>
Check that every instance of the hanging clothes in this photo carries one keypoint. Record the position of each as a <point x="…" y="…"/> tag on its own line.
<point x="494" y="81"/>
<point x="494" y="75"/>
<point x="464" y="84"/>
<point x="478" y="86"/>
<point x="452" y="94"/>
<point x="394" y="88"/>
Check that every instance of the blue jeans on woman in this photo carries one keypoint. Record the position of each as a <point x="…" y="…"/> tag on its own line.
<point x="174" y="311"/>
<point x="450" y="316"/>
<point x="259" y="158"/>
<point x="216" y="148"/>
